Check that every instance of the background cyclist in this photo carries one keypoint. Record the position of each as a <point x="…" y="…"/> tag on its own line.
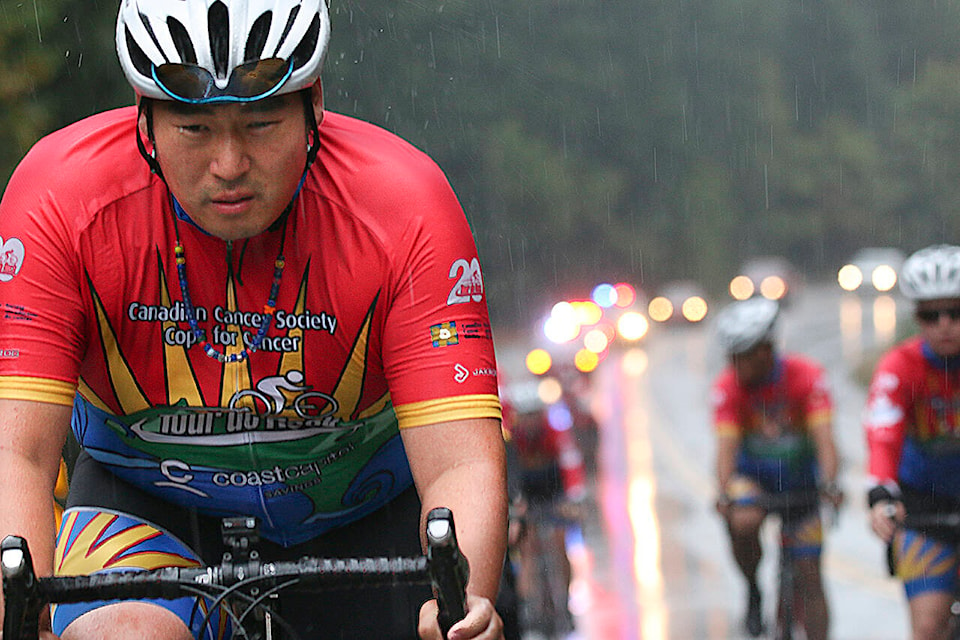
<point x="552" y="478"/>
<point x="226" y="234"/>
<point x="773" y="419"/>
<point x="913" y="435"/>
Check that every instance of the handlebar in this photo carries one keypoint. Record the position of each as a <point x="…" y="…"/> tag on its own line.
<point x="444" y="567"/>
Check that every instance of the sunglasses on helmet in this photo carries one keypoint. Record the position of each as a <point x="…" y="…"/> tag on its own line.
<point x="248" y="82"/>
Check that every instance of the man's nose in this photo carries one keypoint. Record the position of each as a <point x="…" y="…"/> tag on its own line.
<point x="230" y="159"/>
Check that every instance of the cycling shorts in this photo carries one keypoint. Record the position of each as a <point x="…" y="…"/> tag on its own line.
<point x="802" y="533"/>
<point x="924" y="562"/>
<point x="109" y="523"/>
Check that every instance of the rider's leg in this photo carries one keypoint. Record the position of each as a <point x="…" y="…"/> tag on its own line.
<point x="744" y="527"/>
<point x="928" y="567"/>
<point x="814" y="609"/>
<point x="930" y="615"/>
<point x="133" y="620"/>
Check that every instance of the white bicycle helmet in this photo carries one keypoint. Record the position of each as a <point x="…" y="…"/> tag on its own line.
<point x="932" y="273"/>
<point x="221" y="50"/>
<point x="742" y="325"/>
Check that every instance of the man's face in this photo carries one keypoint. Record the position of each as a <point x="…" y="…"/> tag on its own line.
<point x="939" y="322"/>
<point x="752" y="367"/>
<point x="233" y="167"/>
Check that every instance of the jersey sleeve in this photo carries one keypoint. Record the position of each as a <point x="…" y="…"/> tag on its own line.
<point x="724" y="405"/>
<point x="41" y="324"/>
<point x="817" y="401"/>
<point x="885" y="417"/>
<point x="437" y="341"/>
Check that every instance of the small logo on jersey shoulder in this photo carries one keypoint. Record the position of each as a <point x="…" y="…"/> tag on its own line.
<point x="461" y="373"/>
<point x="444" y="334"/>
<point x="469" y="284"/>
<point x="11" y="258"/>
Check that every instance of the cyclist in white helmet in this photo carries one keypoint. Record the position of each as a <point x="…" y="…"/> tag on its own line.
<point x="244" y="305"/>
<point x="913" y="434"/>
<point x="773" y="417"/>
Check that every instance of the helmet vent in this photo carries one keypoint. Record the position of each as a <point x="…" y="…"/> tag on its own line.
<point x="307" y="46"/>
<point x="257" y="39"/>
<point x="286" y="28"/>
<point x="181" y="40"/>
<point x="153" y="36"/>
<point x="218" y="28"/>
<point x="139" y="59"/>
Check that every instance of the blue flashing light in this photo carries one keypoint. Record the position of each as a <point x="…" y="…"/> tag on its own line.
<point x="605" y="295"/>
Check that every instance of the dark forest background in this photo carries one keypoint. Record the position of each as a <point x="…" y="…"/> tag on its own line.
<point x="595" y="140"/>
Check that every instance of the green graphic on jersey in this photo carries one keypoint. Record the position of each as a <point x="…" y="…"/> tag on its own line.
<point x="790" y="448"/>
<point x="239" y="449"/>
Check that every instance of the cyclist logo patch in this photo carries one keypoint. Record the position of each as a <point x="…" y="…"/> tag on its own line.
<point x="444" y="334"/>
<point x="11" y="258"/>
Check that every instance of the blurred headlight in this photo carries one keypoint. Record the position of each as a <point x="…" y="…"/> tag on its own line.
<point x="694" y="309"/>
<point x="660" y="309"/>
<point x="538" y="362"/>
<point x="632" y="326"/>
<point x="773" y="288"/>
<point x="849" y="277"/>
<point x="585" y="360"/>
<point x="884" y="278"/>
<point x="596" y="340"/>
<point x="741" y="288"/>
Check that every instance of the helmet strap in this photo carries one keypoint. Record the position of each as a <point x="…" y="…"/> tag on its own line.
<point x="145" y="110"/>
<point x="313" y="131"/>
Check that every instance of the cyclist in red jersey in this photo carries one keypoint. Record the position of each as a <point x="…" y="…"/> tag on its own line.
<point x="913" y="435"/>
<point x="552" y="479"/>
<point x="244" y="305"/>
<point x="773" y="417"/>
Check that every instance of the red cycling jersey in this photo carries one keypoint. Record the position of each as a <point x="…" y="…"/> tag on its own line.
<point x="380" y="319"/>
<point x="912" y="420"/>
<point x="774" y="420"/>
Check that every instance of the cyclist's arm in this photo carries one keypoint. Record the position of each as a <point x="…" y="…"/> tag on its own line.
<point x="728" y="443"/>
<point x="461" y="465"/>
<point x="885" y="425"/>
<point x="828" y="460"/>
<point x="31" y="439"/>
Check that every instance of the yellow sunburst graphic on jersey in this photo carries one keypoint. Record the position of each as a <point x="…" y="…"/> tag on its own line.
<point x="922" y="558"/>
<point x="181" y="379"/>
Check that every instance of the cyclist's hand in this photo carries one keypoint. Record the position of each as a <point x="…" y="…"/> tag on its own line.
<point x="884" y="517"/>
<point x="570" y="510"/>
<point x="723" y="505"/>
<point x="834" y="495"/>
<point x="482" y="621"/>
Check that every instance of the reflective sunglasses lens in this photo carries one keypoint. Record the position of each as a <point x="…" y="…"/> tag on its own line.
<point x="185" y="81"/>
<point x="258" y="78"/>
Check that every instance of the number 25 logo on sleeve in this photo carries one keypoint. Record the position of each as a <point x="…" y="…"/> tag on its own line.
<point x="469" y="285"/>
<point x="11" y="258"/>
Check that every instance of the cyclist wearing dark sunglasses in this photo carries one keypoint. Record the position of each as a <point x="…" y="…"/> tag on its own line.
<point x="912" y="422"/>
<point x="280" y="313"/>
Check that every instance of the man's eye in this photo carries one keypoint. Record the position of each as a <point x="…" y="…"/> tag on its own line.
<point x="191" y="128"/>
